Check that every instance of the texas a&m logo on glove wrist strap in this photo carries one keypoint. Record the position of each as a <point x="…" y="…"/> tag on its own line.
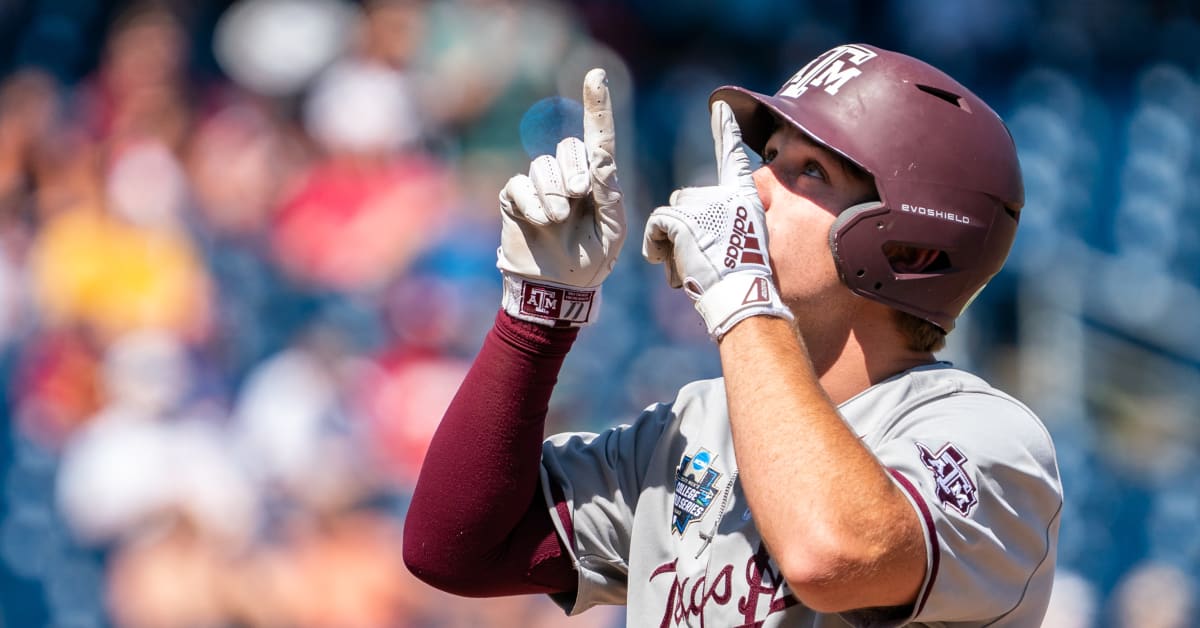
<point x="548" y="303"/>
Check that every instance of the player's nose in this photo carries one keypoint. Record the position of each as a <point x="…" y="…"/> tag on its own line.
<point x="763" y="177"/>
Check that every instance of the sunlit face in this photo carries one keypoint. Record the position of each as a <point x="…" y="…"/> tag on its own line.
<point x="804" y="187"/>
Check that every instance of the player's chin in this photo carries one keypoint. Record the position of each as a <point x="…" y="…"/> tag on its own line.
<point x="815" y="295"/>
<point x="801" y="281"/>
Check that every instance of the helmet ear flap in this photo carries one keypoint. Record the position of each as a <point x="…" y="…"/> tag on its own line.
<point x="850" y="263"/>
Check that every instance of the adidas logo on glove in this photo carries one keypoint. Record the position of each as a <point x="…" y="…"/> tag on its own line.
<point x="743" y="245"/>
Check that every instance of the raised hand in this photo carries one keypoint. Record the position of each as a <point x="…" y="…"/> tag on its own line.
<point x="563" y="224"/>
<point x="713" y="240"/>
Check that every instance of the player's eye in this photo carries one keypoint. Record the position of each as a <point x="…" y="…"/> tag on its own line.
<point x="814" y="169"/>
<point x="769" y="155"/>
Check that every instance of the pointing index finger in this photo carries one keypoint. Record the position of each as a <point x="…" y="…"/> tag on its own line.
<point x="597" y="113"/>
<point x="733" y="166"/>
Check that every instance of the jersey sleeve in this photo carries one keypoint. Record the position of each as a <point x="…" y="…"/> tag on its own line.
<point x="599" y="478"/>
<point x="980" y="471"/>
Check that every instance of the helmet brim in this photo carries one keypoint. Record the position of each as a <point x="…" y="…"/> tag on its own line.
<point x="758" y="115"/>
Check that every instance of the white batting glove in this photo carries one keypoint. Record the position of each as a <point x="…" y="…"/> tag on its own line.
<point x="713" y="240"/>
<point x="563" y="224"/>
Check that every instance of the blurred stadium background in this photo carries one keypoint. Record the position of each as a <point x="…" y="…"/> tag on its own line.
<point x="247" y="252"/>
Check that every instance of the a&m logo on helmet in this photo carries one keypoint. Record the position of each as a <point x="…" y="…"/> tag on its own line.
<point x="952" y="483"/>
<point x="830" y="71"/>
<point x="695" y="489"/>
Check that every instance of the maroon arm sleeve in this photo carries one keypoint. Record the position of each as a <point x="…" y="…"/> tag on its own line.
<point x="478" y="523"/>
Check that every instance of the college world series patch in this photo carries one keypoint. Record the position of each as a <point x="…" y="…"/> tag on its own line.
<point x="695" y="489"/>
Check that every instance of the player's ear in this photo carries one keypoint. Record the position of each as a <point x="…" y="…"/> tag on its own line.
<point x="911" y="259"/>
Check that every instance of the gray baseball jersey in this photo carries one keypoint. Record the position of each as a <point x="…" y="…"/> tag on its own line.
<point x="661" y="525"/>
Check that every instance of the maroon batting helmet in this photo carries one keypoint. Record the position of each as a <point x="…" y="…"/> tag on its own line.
<point x="943" y="162"/>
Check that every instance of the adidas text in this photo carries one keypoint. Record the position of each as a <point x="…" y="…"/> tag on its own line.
<point x="743" y="244"/>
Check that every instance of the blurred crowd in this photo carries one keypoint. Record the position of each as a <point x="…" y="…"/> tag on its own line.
<point x="234" y="309"/>
<point x="247" y="253"/>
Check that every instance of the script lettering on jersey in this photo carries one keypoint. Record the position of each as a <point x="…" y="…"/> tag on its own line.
<point x="689" y="600"/>
<point x="763" y="581"/>
<point x="684" y="603"/>
<point x="829" y="71"/>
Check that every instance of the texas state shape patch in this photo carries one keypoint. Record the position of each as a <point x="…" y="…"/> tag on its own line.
<point x="952" y="483"/>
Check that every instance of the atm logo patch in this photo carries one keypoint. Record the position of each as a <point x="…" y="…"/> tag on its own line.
<point x="952" y="483"/>
<point x="695" y="489"/>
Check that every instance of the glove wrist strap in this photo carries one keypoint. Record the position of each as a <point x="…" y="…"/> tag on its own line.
<point x="737" y="297"/>
<point x="548" y="303"/>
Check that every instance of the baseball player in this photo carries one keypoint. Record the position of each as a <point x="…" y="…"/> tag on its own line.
<point x="838" y="474"/>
